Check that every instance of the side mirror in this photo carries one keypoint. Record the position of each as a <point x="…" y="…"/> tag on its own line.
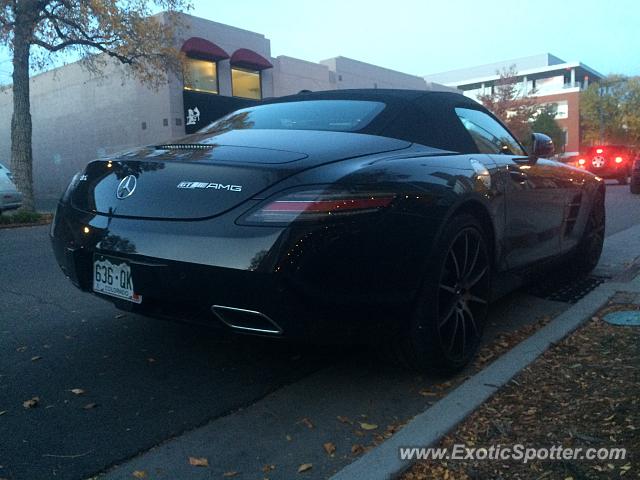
<point x="541" y="145"/>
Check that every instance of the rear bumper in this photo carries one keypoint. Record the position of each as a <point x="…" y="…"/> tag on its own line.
<point x="611" y="170"/>
<point x="311" y="284"/>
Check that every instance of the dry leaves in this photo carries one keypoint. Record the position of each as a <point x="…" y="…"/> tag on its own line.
<point x="588" y="383"/>
<point x="308" y="423"/>
<point x="36" y="358"/>
<point x="357" y="449"/>
<point x="31" y="403"/>
<point x="3" y="412"/>
<point x="329" y="447"/>
<point x="139" y="474"/>
<point x="77" y="391"/>
<point x="304" y="467"/>
<point x="90" y="406"/>
<point x="343" y="419"/>
<point x="199" y="461"/>
<point x="268" y="468"/>
<point x="230" y="474"/>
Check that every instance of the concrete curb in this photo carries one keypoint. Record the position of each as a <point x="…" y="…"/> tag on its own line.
<point x="383" y="462"/>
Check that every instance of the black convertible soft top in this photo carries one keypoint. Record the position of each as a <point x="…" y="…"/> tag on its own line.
<point x="418" y="116"/>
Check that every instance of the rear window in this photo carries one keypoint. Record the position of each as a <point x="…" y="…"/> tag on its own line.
<point x="331" y="115"/>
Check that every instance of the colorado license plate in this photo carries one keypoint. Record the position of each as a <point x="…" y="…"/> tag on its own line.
<point x="112" y="276"/>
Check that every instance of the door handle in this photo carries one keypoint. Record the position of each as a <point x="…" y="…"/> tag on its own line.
<point x="518" y="175"/>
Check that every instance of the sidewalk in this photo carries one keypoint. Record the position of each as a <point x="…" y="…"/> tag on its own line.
<point x="582" y="393"/>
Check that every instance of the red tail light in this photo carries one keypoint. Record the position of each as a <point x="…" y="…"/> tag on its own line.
<point x="582" y="161"/>
<point x="619" y="159"/>
<point x="316" y="205"/>
<point x="599" y="150"/>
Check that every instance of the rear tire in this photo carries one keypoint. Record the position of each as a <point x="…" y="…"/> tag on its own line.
<point x="589" y="249"/>
<point x="444" y="332"/>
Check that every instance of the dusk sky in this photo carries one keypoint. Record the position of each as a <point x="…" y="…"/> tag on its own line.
<point x="421" y="37"/>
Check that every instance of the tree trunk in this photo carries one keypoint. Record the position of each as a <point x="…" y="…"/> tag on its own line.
<point x="21" y="152"/>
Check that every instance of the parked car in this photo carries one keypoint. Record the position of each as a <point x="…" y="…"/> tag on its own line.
<point x="10" y="197"/>
<point x="608" y="161"/>
<point x="634" y="185"/>
<point x="393" y="215"/>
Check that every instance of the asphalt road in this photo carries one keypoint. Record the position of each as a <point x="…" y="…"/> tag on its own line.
<point x="145" y="381"/>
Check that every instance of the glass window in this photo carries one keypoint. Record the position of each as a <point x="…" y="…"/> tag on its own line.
<point x="201" y="75"/>
<point x="246" y="83"/>
<point x="332" y="115"/>
<point x="488" y="135"/>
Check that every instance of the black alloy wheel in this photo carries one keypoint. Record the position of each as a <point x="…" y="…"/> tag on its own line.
<point x="445" y="330"/>
<point x="463" y="295"/>
<point x="589" y="249"/>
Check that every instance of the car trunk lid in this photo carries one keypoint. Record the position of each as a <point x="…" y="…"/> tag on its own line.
<point x="204" y="176"/>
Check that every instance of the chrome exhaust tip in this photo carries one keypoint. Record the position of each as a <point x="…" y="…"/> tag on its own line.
<point x="244" y="320"/>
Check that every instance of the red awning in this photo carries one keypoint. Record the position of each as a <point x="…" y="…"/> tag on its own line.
<point x="200" y="48"/>
<point x="246" y="58"/>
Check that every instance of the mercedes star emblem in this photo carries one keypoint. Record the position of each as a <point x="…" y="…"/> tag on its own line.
<point x="126" y="187"/>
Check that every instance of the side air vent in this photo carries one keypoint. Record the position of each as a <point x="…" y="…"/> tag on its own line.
<point x="248" y="321"/>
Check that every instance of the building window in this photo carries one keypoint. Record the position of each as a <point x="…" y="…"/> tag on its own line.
<point x="245" y="83"/>
<point x="201" y="75"/>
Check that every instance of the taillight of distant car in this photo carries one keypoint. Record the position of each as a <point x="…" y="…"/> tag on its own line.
<point x="619" y="159"/>
<point x="582" y="161"/>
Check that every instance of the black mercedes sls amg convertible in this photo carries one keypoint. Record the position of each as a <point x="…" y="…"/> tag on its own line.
<point x="396" y="215"/>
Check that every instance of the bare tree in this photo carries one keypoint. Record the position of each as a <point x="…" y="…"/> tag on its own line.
<point x="124" y="30"/>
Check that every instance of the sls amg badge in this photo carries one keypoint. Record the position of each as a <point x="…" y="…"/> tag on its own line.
<point x="206" y="185"/>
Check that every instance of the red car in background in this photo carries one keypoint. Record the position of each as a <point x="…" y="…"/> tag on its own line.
<point x="608" y="161"/>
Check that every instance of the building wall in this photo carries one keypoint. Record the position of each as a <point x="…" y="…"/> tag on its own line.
<point x="78" y="117"/>
<point x="572" y="123"/>
<point x="355" y="74"/>
<point x="292" y="75"/>
<point x="229" y="39"/>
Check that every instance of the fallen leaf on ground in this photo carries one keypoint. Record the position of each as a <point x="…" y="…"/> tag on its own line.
<point x="232" y="473"/>
<point x="368" y="426"/>
<point x="357" y="449"/>
<point x="77" y="391"/>
<point x="343" y="419"/>
<point x="151" y="360"/>
<point x="288" y="437"/>
<point x="427" y="393"/>
<point x="21" y="349"/>
<point x="307" y="422"/>
<point x="89" y="406"/>
<point x="329" y="447"/>
<point x="199" y="461"/>
<point x="3" y="412"/>
<point x="139" y="474"/>
<point x="120" y="315"/>
<point x="304" y="467"/>
<point x="268" y="468"/>
<point x="36" y="358"/>
<point x="31" y="403"/>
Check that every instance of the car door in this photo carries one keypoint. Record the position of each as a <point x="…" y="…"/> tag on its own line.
<point x="536" y="197"/>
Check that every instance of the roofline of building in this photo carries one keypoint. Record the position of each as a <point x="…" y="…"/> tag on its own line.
<point x="531" y="71"/>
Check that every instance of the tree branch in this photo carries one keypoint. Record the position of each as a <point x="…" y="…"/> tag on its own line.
<point x="80" y="42"/>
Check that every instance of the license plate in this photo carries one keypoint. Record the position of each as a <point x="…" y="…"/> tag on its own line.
<point x="112" y="276"/>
